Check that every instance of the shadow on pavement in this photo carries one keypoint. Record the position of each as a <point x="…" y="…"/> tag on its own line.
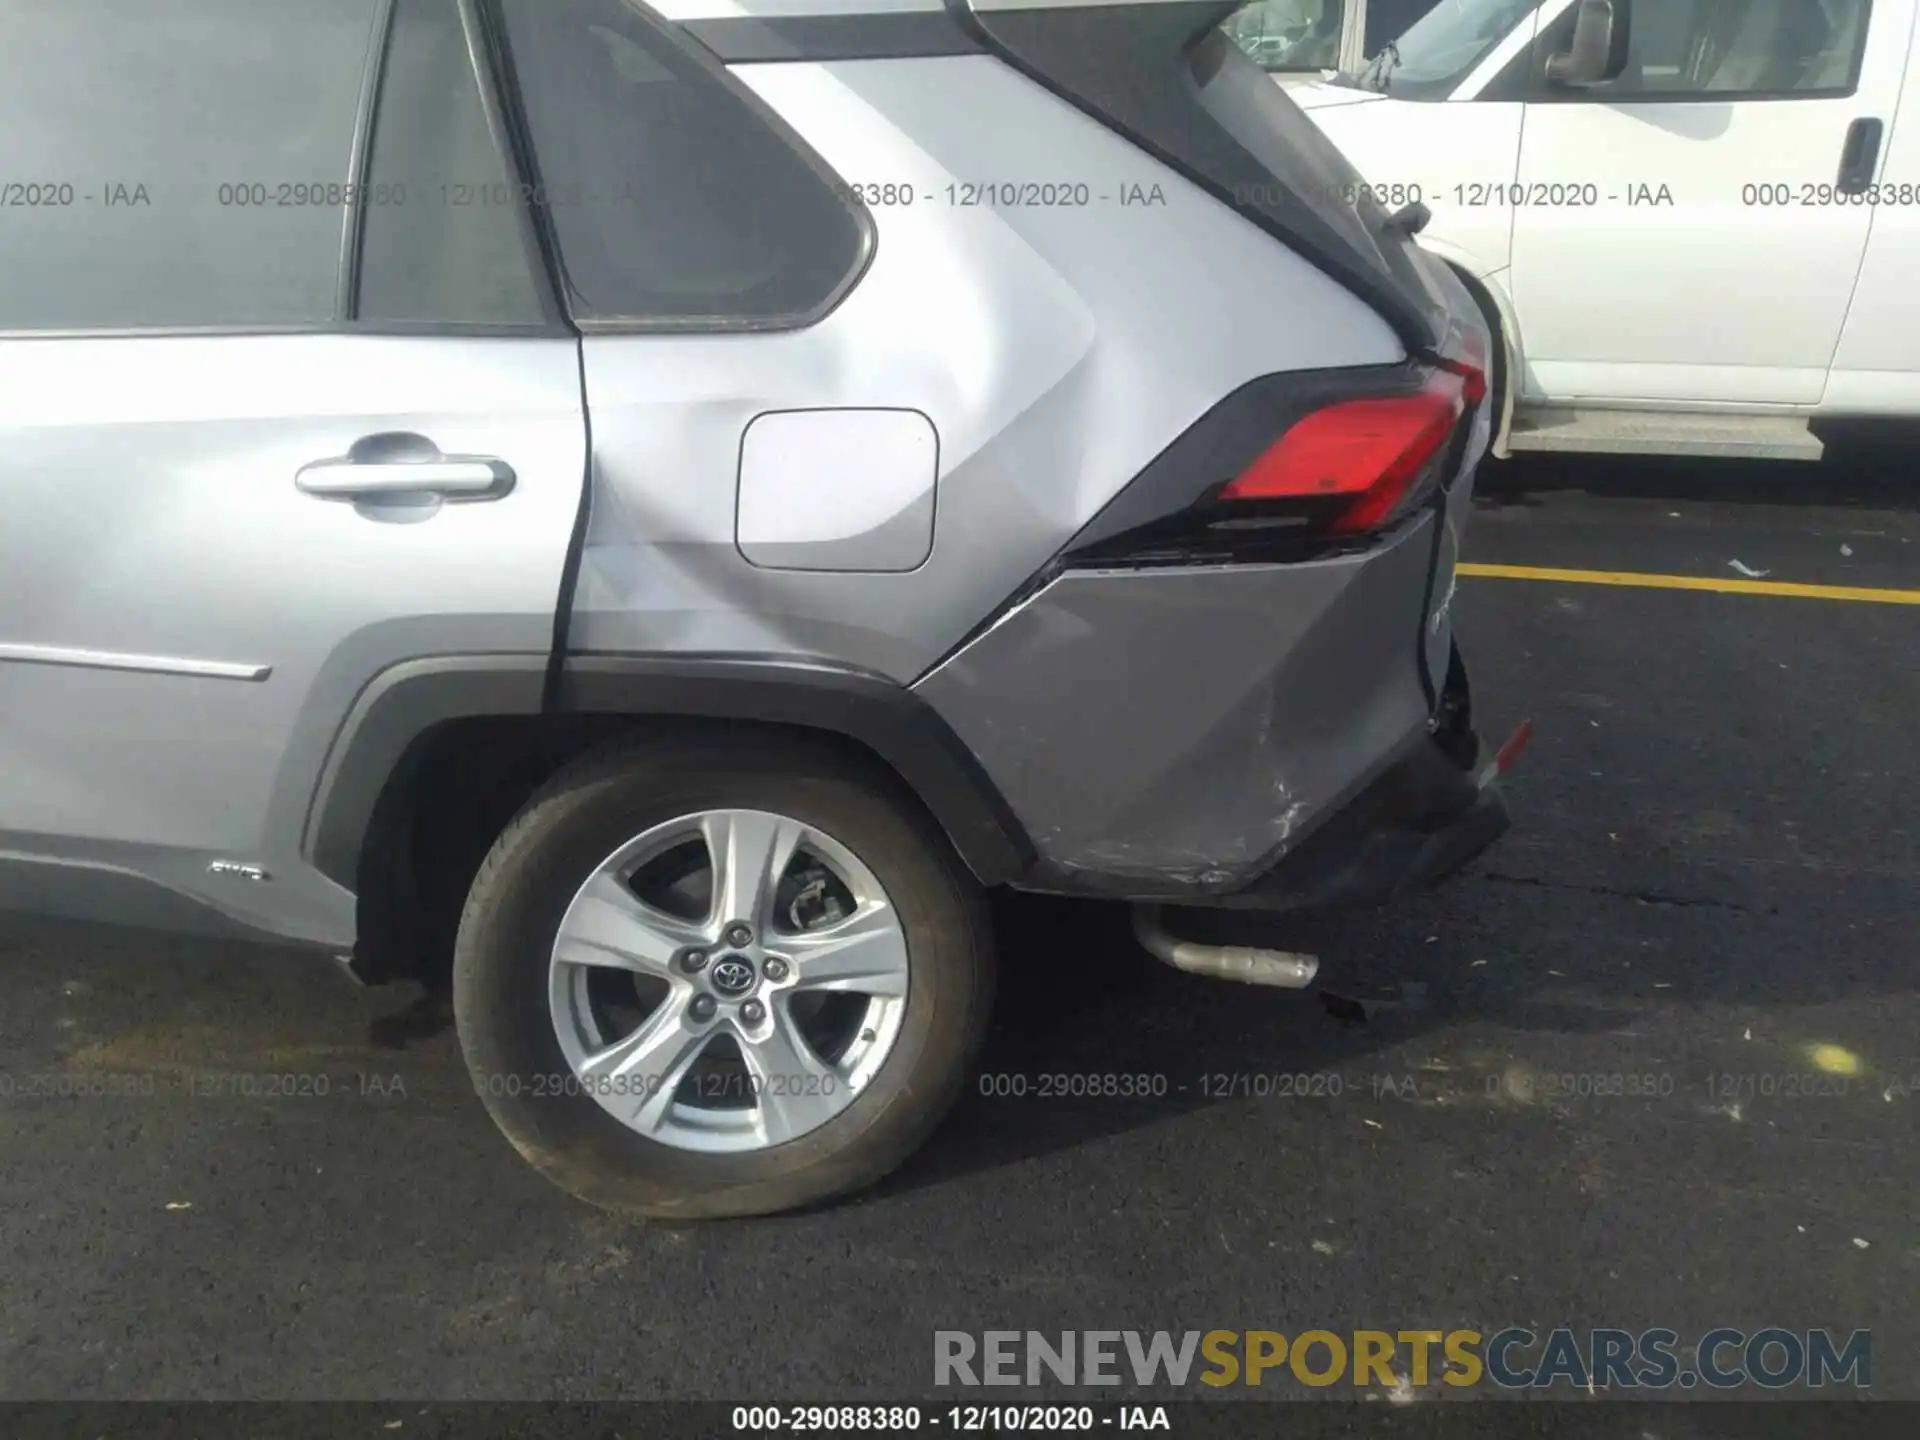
<point x="1079" y="998"/>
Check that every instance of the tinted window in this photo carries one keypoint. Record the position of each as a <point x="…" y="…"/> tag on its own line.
<point x="676" y="197"/>
<point x="442" y="238"/>
<point x="1710" y="49"/>
<point x="175" y="164"/>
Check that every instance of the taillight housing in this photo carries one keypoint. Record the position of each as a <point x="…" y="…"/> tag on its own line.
<point x="1359" y="462"/>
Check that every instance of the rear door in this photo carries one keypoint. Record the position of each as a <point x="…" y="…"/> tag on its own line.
<point x="282" y="402"/>
<point x="1692" y="231"/>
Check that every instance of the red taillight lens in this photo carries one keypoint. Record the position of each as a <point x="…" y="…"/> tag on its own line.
<point x="1372" y="450"/>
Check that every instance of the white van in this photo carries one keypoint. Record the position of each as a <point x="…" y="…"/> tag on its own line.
<point x="1301" y="38"/>
<point x="1698" y="221"/>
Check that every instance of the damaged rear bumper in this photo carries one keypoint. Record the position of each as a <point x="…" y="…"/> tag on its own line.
<point x="1250" y="734"/>
<point x="1420" y="821"/>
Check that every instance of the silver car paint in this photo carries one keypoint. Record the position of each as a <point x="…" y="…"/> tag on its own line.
<point x="153" y="514"/>
<point x="159" y="555"/>
<point x="1056" y="350"/>
<point x="842" y="489"/>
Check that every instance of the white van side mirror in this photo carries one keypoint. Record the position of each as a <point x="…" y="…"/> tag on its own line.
<point x="1598" y="52"/>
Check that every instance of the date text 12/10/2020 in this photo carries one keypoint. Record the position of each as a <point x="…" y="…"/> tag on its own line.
<point x="960" y="1419"/>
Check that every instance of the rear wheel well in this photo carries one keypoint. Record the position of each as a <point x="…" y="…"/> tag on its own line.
<point x="459" y="786"/>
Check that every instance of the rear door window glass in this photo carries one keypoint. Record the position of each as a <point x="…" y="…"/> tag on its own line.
<point x="444" y="236"/>
<point x="176" y="165"/>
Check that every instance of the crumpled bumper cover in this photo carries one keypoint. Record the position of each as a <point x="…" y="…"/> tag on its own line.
<point x="1419" y="822"/>
<point x="1185" y="732"/>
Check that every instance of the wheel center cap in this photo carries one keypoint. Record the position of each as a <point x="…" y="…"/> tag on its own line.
<point x="733" y="975"/>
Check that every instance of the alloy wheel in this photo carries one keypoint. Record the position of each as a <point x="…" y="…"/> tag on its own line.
<point x="728" y="981"/>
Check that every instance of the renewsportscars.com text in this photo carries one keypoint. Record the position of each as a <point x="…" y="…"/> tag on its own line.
<point x="1512" y="1359"/>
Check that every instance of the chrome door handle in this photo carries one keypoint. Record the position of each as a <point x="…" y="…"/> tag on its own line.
<point x="463" y="477"/>
<point x="399" y="464"/>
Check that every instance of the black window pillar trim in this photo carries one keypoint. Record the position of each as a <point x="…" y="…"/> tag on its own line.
<point x="353" y="225"/>
<point x="485" y="33"/>
<point x="499" y="103"/>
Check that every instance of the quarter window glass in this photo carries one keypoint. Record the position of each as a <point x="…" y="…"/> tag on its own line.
<point x="175" y="165"/>
<point x="442" y="239"/>
<point x="1728" y="48"/>
<point x="677" y="199"/>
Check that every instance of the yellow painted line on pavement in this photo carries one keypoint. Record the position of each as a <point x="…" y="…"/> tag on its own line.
<point x="1858" y="594"/>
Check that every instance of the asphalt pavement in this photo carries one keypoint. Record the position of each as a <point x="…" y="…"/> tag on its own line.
<point x="1653" y="1061"/>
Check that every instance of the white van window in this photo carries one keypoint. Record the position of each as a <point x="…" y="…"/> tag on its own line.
<point x="1390" y="19"/>
<point x="1441" y="49"/>
<point x="1283" y="35"/>
<point x="1725" y="49"/>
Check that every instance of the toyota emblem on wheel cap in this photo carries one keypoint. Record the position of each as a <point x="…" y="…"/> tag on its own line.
<point x="733" y="975"/>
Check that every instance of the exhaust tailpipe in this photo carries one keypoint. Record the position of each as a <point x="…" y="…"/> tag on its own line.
<point x="1245" y="963"/>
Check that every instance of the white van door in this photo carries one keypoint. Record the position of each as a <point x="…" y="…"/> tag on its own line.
<point x="1692" y="231"/>
<point x="1437" y="120"/>
<point x="1876" y="370"/>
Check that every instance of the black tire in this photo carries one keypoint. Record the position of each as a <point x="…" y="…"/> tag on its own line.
<point x="587" y="812"/>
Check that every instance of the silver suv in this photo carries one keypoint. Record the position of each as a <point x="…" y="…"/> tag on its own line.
<point x="685" y="497"/>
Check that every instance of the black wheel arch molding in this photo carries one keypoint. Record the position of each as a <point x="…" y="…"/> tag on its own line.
<point x="879" y="714"/>
<point x="369" y="762"/>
